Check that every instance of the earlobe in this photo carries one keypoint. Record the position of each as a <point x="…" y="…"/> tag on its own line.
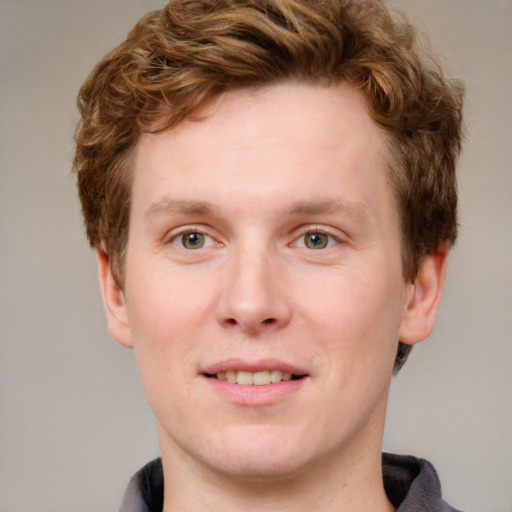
<point x="423" y="302"/>
<point x="114" y="303"/>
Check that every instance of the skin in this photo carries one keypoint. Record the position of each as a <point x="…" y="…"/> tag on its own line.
<point x="263" y="175"/>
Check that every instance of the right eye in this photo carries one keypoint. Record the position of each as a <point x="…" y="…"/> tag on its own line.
<point x="192" y="240"/>
<point x="316" y="240"/>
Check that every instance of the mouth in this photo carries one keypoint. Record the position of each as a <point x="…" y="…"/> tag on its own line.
<point x="255" y="383"/>
<point x="257" y="378"/>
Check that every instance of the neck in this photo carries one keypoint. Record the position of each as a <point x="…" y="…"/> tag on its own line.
<point x="351" y="480"/>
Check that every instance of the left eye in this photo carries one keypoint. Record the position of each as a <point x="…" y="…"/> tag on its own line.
<point x="192" y="240"/>
<point x="316" y="240"/>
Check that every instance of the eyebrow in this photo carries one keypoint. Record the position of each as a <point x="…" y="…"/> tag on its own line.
<point x="168" y="206"/>
<point x="353" y="209"/>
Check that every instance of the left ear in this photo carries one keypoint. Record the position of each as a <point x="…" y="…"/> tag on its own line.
<point x="425" y="296"/>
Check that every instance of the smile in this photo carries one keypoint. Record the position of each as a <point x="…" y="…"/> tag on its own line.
<point x="255" y="383"/>
<point x="258" y="378"/>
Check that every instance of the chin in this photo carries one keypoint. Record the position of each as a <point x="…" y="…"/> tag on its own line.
<point x="262" y="456"/>
<point x="261" y="468"/>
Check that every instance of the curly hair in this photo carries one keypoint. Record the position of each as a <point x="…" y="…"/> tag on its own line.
<point x="176" y="58"/>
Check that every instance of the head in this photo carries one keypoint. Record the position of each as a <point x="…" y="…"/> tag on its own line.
<point x="177" y="59"/>
<point x="270" y="188"/>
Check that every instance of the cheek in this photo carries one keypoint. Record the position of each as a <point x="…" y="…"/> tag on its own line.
<point x="357" y="317"/>
<point x="166" y="318"/>
<point x="163" y="303"/>
<point x="165" y="351"/>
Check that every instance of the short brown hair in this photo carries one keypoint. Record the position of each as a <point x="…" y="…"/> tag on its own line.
<point x="191" y="50"/>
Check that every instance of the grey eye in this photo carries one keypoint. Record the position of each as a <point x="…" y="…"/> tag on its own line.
<point x="192" y="240"/>
<point x="316" y="240"/>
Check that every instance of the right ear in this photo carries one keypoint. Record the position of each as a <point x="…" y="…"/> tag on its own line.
<point x="114" y="303"/>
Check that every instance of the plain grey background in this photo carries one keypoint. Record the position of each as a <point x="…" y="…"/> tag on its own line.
<point x="74" y="423"/>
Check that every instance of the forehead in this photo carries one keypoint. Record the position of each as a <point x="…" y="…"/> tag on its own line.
<point x="262" y="143"/>
<point x="288" y="112"/>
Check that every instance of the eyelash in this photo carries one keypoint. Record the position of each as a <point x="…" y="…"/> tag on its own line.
<point x="332" y="240"/>
<point x="177" y="239"/>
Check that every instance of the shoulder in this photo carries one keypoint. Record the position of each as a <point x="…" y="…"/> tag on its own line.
<point x="412" y="484"/>
<point x="145" y="490"/>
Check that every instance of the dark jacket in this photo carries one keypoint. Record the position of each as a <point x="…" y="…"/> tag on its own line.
<point x="412" y="485"/>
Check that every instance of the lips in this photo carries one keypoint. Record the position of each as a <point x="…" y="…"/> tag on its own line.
<point x="261" y="383"/>
<point x="259" y="373"/>
<point x="259" y="378"/>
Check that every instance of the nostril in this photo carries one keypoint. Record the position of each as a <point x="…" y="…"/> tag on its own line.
<point x="232" y="321"/>
<point x="252" y="322"/>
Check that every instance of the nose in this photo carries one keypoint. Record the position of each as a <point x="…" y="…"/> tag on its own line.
<point x="253" y="293"/>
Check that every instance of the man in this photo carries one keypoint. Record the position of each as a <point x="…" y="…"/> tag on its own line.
<point x="270" y="189"/>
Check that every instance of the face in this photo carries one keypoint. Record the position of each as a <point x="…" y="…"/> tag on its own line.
<point x="264" y="294"/>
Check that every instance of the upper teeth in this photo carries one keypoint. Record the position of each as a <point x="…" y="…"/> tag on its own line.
<point x="256" y="378"/>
